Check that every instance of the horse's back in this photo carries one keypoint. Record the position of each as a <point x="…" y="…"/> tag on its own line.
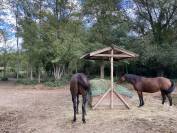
<point x="149" y="85"/>
<point x="152" y="85"/>
<point x="79" y="83"/>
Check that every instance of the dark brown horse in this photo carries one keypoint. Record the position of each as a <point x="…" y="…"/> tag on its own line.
<point x="150" y="85"/>
<point x="79" y="85"/>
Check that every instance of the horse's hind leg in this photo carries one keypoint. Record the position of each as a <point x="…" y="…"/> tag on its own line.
<point x="163" y="97"/>
<point x="77" y="104"/>
<point x="74" y="107"/>
<point x="169" y="98"/>
<point x="83" y="108"/>
<point x="140" y="94"/>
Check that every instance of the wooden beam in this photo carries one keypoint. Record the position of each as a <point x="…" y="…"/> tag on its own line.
<point x="85" y="55"/>
<point x="99" y="101"/>
<point x="120" y="97"/>
<point x="100" y="51"/>
<point x="114" y="56"/>
<point x="126" y="52"/>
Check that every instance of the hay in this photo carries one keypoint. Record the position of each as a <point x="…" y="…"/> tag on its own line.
<point x="100" y="86"/>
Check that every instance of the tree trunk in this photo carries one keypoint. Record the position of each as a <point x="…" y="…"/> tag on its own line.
<point x="27" y="71"/>
<point x="31" y="73"/>
<point x="58" y="71"/>
<point x="4" y="75"/>
<point x="102" y="70"/>
<point x="18" y="53"/>
<point x="5" y="58"/>
<point x="39" y="76"/>
<point x="76" y="70"/>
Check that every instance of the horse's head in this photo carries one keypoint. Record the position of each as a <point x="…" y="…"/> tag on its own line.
<point x="121" y="79"/>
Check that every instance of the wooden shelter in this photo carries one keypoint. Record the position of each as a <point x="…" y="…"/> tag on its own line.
<point x="112" y="53"/>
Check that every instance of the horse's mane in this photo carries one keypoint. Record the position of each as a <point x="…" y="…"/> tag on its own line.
<point x="84" y="83"/>
<point x="132" y="77"/>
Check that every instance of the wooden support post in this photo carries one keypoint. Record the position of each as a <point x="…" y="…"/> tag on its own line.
<point x="102" y="70"/>
<point x="111" y="89"/>
<point x="112" y="78"/>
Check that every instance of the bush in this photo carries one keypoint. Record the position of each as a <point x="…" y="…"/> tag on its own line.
<point x="54" y="83"/>
<point x="27" y="82"/>
<point x="57" y="83"/>
<point x="4" y="79"/>
<point x="49" y="82"/>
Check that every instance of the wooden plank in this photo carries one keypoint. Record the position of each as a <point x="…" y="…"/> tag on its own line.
<point x="100" y="100"/>
<point x="100" y="51"/>
<point x="120" y="97"/>
<point x="83" y="56"/>
<point x="125" y="51"/>
<point x="114" y="56"/>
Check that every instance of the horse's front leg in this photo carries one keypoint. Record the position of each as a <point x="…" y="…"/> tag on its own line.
<point x="169" y="98"/>
<point x="163" y="97"/>
<point x="140" y="95"/>
<point x="83" y="108"/>
<point x="74" y="107"/>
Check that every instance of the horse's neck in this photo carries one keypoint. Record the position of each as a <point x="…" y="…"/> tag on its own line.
<point x="131" y="79"/>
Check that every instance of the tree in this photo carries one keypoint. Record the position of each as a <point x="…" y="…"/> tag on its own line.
<point x="4" y="50"/>
<point x="108" y="25"/>
<point x="15" y="8"/>
<point x="159" y="17"/>
<point x="55" y="37"/>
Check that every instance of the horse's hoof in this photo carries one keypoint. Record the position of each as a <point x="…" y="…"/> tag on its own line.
<point x="84" y="121"/>
<point x="74" y="120"/>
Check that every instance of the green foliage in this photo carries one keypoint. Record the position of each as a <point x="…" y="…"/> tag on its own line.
<point x="157" y="18"/>
<point x="27" y="82"/>
<point x="49" y="82"/>
<point x="58" y="83"/>
<point x="110" y="26"/>
<point x="55" y="36"/>
<point x="55" y="83"/>
<point x="4" y="79"/>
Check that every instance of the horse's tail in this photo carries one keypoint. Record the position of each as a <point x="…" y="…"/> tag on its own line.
<point x="171" y="89"/>
<point x="85" y="84"/>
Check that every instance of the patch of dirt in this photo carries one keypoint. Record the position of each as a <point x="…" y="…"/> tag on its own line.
<point x="9" y="121"/>
<point x="35" y="109"/>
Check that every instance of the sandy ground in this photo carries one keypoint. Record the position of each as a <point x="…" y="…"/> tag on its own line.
<point x="28" y="109"/>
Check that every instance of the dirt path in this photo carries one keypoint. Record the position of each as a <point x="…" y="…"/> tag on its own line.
<point x="27" y="110"/>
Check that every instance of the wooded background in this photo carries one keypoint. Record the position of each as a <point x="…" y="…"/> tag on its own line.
<point x="56" y="33"/>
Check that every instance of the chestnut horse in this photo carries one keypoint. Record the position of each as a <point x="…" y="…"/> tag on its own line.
<point x="150" y="85"/>
<point x="79" y="85"/>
